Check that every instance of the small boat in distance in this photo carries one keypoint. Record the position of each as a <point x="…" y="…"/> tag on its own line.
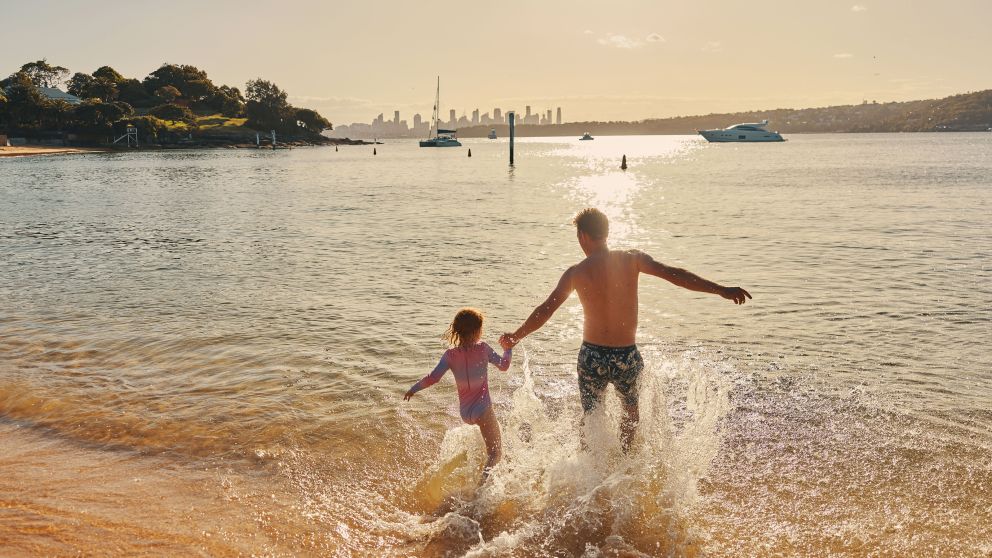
<point x="492" y="134"/>
<point x="586" y="136"/>
<point x="742" y="132"/>
<point x="436" y="136"/>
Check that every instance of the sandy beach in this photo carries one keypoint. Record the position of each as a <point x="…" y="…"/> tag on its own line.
<point x="23" y="151"/>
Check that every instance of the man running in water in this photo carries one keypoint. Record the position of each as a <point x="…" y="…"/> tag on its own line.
<point x="607" y="285"/>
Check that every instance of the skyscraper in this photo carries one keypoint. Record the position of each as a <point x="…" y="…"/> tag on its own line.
<point x="558" y="116"/>
<point x="452" y="119"/>
<point x="396" y="117"/>
<point x="416" y="119"/>
<point x="549" y="117"/>
<point x="475" y="117"/>
<point x="498" y="115"/>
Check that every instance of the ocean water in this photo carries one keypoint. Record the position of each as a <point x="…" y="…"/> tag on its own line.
<point x="205" y="352"/>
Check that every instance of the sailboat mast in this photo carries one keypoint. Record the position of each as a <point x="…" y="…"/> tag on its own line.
<point x="437" y="106"/>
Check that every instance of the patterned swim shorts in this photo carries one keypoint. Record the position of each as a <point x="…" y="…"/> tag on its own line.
<point x="600" y="365"/>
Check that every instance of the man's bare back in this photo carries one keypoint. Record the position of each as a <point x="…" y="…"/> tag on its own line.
<point x="607" y="286"/>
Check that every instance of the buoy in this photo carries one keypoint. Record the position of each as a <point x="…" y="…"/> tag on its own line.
<point x="623" y="163"/>
<point x="335" y="149"/>
<point x="469" y="151"/>
<point x="373" y="151"/>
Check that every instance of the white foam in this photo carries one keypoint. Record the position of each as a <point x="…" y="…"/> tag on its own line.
<point x="547" y="492"/>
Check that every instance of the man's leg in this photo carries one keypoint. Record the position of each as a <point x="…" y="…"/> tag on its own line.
<point x="628" y="426"/>
<point x="627" y="373"/>
<point x="592" y="385"/>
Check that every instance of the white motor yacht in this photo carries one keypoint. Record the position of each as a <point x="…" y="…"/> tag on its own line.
<point x="492" y="134"/>
<point x="742" y="132"/>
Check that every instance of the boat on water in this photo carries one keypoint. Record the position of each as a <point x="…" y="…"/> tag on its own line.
<point x="586" y="136"/>
<point x="438" y="137"/>
<point x="742" y="132"/>
<point x="492" y="134"/>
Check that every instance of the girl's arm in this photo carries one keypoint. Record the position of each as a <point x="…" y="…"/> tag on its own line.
<point x="430" y="379"/>
<point x="501" y="362"/>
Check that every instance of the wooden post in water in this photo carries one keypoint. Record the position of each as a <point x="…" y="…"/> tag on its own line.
<point x="512" y="117"/>
<point x="623" y="163"/>
<point x="469" y="151"/>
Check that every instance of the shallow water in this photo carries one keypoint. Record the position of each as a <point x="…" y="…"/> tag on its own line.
<point x="205" y="352"/>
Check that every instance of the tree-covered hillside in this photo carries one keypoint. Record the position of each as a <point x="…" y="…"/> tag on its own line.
<point x="172" y="102"/>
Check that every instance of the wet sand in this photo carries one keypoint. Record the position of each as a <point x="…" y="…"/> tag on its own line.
<point x="26" y="150"/>
<point x="83" y="498"/>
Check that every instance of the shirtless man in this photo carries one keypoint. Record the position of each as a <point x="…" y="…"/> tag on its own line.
<point x="607" y="285"/>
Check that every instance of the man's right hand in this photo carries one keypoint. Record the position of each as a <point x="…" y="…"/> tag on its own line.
<point x="507" y="341"/>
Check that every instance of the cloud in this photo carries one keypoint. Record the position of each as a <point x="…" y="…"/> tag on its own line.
<point x="713" y="46"/>
<point x="587" y="32"/>
<point x="655" y="38"/>
<point x="844" y="55"/>
<point x="858" y="8"/>
<point x="619" y="41"/>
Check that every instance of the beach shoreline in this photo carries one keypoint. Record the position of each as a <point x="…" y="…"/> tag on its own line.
<point x="32" y="150"/>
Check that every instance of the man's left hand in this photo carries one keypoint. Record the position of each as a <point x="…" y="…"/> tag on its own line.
<point x="737" y="294"/>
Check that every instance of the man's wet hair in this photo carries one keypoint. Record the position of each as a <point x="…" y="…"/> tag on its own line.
<point x="593" y="222"/>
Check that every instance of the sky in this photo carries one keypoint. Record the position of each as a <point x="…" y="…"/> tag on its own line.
<point x="616" y="60"/>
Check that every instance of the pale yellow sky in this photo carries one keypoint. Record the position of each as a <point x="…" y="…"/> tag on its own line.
<point x="597" y="60"/>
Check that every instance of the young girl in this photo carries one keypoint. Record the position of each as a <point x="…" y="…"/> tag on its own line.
<point x="468" y="360"/>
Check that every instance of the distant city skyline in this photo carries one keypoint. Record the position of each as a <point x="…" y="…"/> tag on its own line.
<point x="622" y="60"/>
<point x="380" y="127"/>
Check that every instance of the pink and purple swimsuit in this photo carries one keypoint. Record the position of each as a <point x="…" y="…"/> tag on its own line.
<point x="469" y="365"/>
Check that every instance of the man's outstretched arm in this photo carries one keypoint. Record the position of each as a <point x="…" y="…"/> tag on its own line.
<point x="689" y="280"/>
<point x="542" y="313"/>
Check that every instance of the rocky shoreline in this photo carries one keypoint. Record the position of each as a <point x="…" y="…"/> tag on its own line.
<point x="197" y="143"/>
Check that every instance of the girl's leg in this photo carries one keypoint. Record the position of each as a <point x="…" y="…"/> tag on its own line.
<point x="494" y="444"/>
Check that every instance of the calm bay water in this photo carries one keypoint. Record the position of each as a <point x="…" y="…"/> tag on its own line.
<point x="205" y="352"/>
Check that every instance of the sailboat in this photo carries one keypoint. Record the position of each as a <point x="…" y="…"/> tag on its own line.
<point x="438" y="137"/>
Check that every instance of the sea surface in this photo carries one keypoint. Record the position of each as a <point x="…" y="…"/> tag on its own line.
<point x="205" y="352"/>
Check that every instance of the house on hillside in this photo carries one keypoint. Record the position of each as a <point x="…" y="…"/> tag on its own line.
<point x="56" y="94"/>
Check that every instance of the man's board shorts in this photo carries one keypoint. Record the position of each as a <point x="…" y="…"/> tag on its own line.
<point x="599" y="365"/>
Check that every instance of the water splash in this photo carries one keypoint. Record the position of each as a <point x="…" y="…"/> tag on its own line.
<point x="549" y="497"/>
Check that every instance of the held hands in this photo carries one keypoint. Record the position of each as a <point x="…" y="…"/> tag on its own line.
<point x="507" y="341"/>
<point x="408" y="394"/>
<point x="737" y="294"/>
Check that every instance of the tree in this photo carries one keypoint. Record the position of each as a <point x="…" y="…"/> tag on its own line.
<point x="104" y="89"/>
<point x="4" y="121"/>
<point x="266" y="107"/>
<point x="79" y="84"/>
<point x="95" y="116"/>
<point x="149" y="127"/>
<point x="43" y="74"/>
<point x="227" y="101"/>
<point x="25" y="107"/>
<point x="175" y="112"/>
<point x="312" y="120"/>
<point x="192" y="82"/>
<point x="132" y="92"/>
<point x="56" y="115"/>
<point x="88" y="87"/>
<point x="109" y="74"/>
<point x="167" y="94"/>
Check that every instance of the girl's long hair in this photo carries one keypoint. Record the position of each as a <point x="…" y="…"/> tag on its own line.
<point x="464" y="328"/>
